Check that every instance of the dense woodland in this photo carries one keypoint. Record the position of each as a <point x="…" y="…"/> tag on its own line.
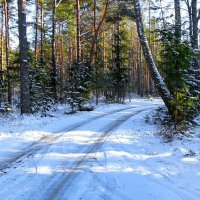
<point x="75" y="51"/>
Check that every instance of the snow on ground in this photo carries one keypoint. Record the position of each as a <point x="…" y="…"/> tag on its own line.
<point x="103" y="154"/>
<point x="142" y="166"/>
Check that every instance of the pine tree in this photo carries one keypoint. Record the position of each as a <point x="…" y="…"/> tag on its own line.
<point x="24" y="72"/>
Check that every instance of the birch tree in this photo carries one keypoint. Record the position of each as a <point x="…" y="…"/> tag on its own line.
<point x="158" y="80"/>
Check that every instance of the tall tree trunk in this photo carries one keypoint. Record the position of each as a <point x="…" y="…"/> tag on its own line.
<point x="78" y="53"/>
<point x="1" y="49"/>
<point x="177" y="10"/>
<point x="2" y="38"/>
<point x="189" y="10"/>
<point x="194" y="42"/>
<point x="177" y="34"/>
<point x="53" y="56"/>
<point x="92" y="51"/>
<point x="24" y="66"/>
<point x="95" y="52"/>
<point x="42" y="34"/>
<point x="62" y="66"/>
<point x="36" y="30"/>
<point x="78" y="34"/>
<point x="7" y="40"/>
<point x="159" y="83"/>
<point x="141" y="72"/>
<point x="194" y="24"/>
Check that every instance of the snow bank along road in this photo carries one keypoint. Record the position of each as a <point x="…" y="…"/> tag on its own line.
<point x="111" y="155"/>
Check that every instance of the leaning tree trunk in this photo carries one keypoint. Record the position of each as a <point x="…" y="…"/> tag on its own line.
<point x="24" y="66"/>
<point x="158" y="80"/>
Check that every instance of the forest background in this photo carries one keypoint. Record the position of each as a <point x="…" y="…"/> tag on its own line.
<point x="74" y="51"/>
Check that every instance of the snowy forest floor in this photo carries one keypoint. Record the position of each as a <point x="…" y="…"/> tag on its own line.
<point x="110" y="153"/>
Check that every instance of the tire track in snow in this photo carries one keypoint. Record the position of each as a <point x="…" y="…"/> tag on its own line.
<point x="46" y="141"/>
<point x="23" y="181"/>
<point x="62" y="182"/>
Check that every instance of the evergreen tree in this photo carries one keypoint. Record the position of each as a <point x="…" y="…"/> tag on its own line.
<point x="175" y="65"/>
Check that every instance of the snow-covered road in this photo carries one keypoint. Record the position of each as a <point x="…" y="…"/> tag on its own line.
<point x="109" y="154"/>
